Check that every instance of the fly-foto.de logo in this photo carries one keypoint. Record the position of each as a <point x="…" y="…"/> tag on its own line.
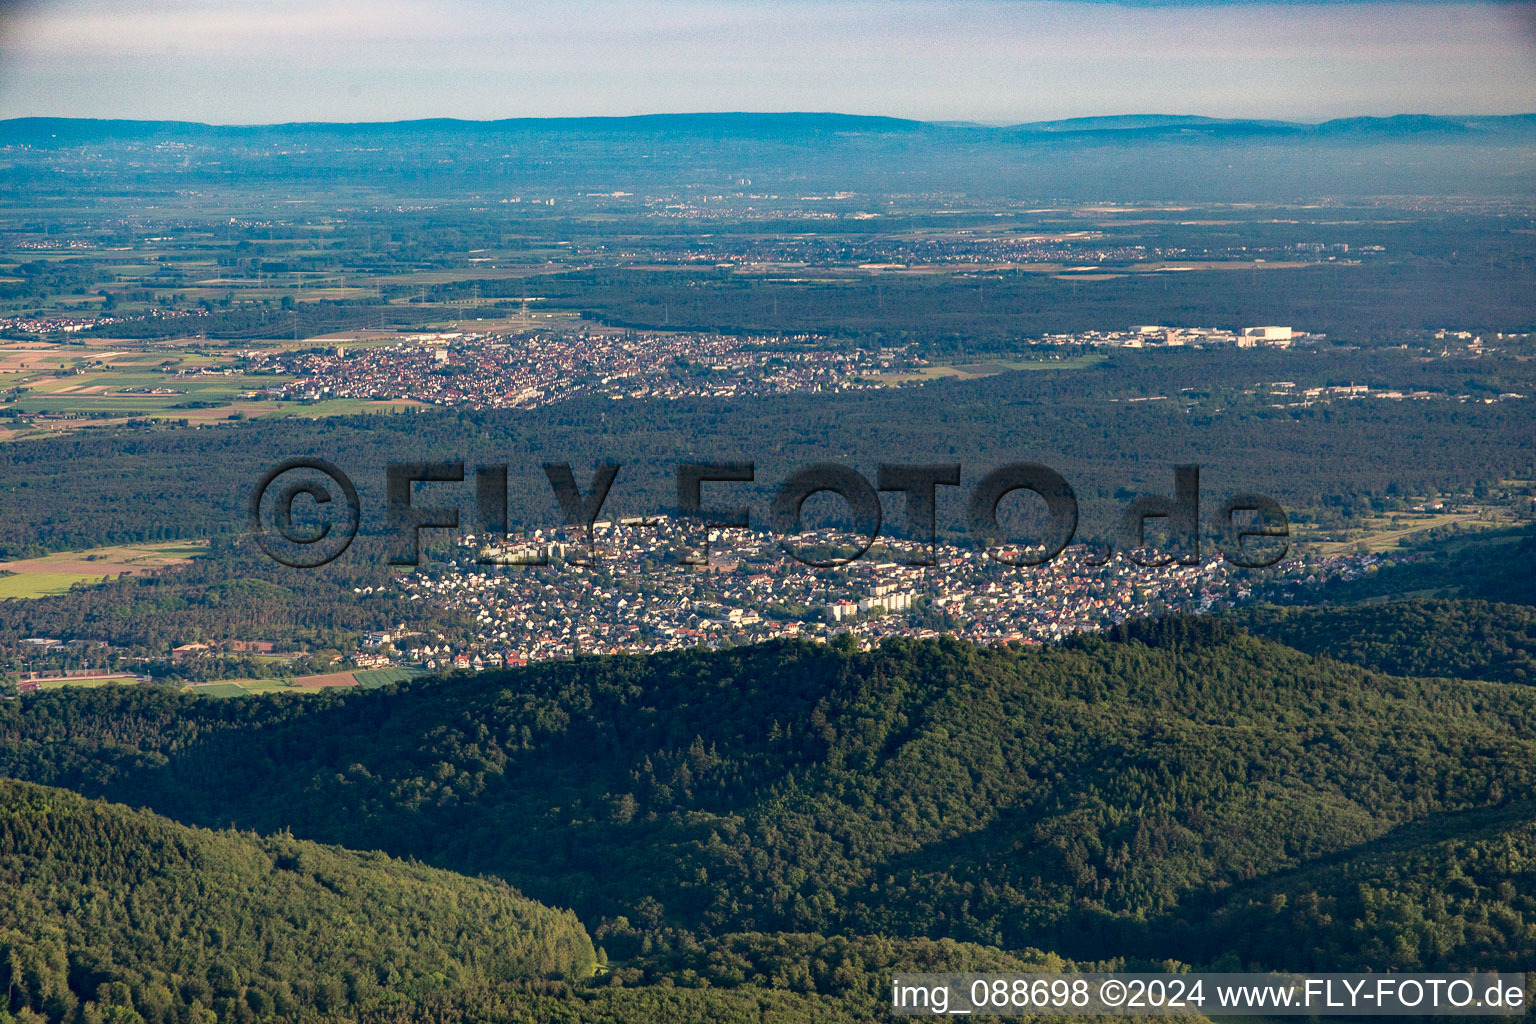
<point x="1250" y="530"/>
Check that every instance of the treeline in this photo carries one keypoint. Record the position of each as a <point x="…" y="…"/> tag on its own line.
<point x="37" y="280"/>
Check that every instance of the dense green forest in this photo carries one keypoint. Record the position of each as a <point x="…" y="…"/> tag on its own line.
<point x="1466" y="639"/>
<point x="1334" y="461"/>
<point x="1079" y="799"/>
<point x="978" y="312"/>
<point x="1455" y="888"/>
<point x="772" y="830"/>
<point x="120" y="915"/>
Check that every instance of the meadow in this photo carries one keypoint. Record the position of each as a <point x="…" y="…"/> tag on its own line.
<point x="57" y="572"/>
<point x="367" y="679"/>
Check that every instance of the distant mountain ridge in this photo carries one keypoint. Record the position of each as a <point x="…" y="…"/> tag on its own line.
<point x="1135" y="156"/>
<point x="36" y="131"/>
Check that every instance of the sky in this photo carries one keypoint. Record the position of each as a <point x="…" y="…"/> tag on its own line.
<point x="1002" y="61"/>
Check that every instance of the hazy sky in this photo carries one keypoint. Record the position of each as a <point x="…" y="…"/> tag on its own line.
<point x="984" y="60"/>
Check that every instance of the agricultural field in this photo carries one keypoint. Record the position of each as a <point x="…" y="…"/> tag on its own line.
<point x="119" y="383"/>
<point x="247" y="687"/>
<point x="990" y="368"/>
<point x="124" y="679"/>
<point x="368" y="679"/>
<point x="56" y="573"/>
<point x="372" y="679"/>
<point x="228" y="689"/>
<point x="1389" y="532"/>
<point x="49" y="388"/>
<point x="42" y="584"/>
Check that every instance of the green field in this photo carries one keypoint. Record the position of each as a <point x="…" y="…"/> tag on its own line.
<point x="99" y="392"/>
<point x="56" y="573"/>
<point x="1387" y="533"/>
<point x="42" y="584"/>
<point x="995" y="366"/>
<point x="59" y="684"/>
<point x="991" y="368"/>
<point x="246" y="687"/>
<point x="66" y="394"/>
<point x="263" y="685"/>
<point x="372" y="679"/>
<point x="221" y="690"/>
<point x="368" y="679"/>
<point x="336" y="407"/>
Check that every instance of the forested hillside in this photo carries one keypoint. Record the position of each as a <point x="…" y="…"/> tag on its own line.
<point x="119" y="915"/>
<point x="111" y="912"/>
<point x="1466" y="639"/>
<point x="1085" y="799"/>
<point x="1452" y="889"/>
